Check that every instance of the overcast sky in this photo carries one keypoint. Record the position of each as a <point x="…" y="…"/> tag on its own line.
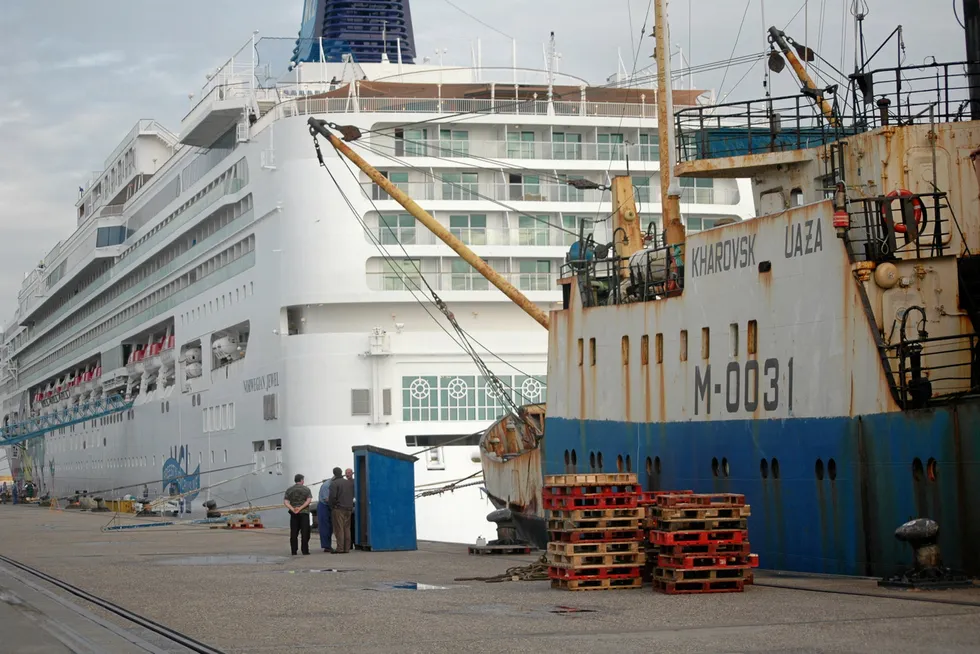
<point x="76" y="76"/>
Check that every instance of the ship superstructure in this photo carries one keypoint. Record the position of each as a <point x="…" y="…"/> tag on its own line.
<point x="221" y="318"/>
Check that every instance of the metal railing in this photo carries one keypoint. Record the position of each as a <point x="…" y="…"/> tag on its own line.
<point x="409" y="280"/>
<point x="885" y="228"/>
<point x="543" y="236"/>
<point x="549" y="150"/>
<point x="652" y="274"/>
<point x="500" y="192"/>
<point x="937" y="92"/>
<point x="934" y="368"/>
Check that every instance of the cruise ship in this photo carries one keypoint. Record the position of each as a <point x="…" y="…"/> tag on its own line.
<point x="227" y="313"/>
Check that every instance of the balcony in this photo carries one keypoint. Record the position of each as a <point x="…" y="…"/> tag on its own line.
<point x="459" y="281"/>
<point x="523" y="150"/>
<point x="493" y="192"/>
<point x="538" y="235"/>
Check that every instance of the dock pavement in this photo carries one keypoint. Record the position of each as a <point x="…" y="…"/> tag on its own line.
<point x="241" y="591"/>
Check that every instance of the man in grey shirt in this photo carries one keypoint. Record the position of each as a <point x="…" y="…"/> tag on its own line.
<point x="341" y="506"/>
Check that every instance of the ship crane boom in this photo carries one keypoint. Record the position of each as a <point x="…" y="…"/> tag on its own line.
<point x="320" y="127"/>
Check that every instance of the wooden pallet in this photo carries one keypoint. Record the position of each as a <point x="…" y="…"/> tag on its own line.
<point x="582" y="515"/>
<point x="499" y="549"/>
<point x="601" y="547"/>
<point x="699" y="537"/>
<point x="698" y="513"/>
<point x="593" y="479"/>
<point x="601" y="524"/>
<point x="580" y="561"/>
<point x="690" y="587"/>
<point x="594" y="535"/>
<point x="713" y="524"/>
<point x="597" y="584"/>
<point x="244" y="525"/>
<point x="650" y="497"/>
<point x="700" y="499"/>
<point x="700" y="574"/>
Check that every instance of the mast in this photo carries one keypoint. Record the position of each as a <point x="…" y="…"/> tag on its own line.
<point x="434" y="226"/>
<point x="669" y="189"/>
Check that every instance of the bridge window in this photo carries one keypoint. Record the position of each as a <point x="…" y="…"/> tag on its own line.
<point x="106" y="236"/>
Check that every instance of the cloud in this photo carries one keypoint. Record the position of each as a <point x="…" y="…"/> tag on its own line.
<point x="97" y="60"/>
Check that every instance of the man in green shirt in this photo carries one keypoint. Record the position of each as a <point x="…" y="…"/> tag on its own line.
<point x="297" y="499"/>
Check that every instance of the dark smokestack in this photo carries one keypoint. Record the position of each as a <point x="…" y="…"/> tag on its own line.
<point x="971" y="18"/>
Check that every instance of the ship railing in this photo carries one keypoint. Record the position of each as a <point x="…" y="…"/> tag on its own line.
<point x="465" y="147"/>
<point x="907" y="95"/>
<point x="409" y="279"/>
<point x="402" y="229"/>
<point x="654" y="273"/>
<point x="934" y="368"/>
<point x="879" y="227"/>
<point x="472" y="191"/>
<point x="760" y="126"/>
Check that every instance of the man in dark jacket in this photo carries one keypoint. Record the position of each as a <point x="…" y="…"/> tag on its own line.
<point x="341" y="506"/>
<point x="297" y="499"/>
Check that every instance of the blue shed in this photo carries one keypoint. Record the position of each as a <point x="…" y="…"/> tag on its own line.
<point x="384" y="496"/>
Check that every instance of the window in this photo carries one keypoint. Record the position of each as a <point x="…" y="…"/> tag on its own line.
<point x="566" y="146"/>
<point x="645" y="349"/>
<point x="683" y="352"/>
<point x="386" y="402"/>
<point x="520" y="145"/>
<point x="581" y="352"/>
<point x="699" y="190"/>
<point x="610" y="146"/>
<point x="753" y="336"/>
<point x="641" y="192"/>
<point x="535" y="275"/>
<point x="570" y="224"/>
<point x="470" y="229"/>
<point x="626" y="350"/>
<point x="454" y="143"/>
<point x="401" y="275"/>
<point x="533" y="230"/>
<point x="398" y="228"/>
<point x="649" y="147"/>
<point x="464" y="397"/>
<point x="460" y="186"/>
<point x="416" y="142"/>
<point x="465" y="278"/>
<point x="567" y="193"/>
<point x="398" y="179"/>
<point x="705" y="342"/>
<point x="106" y="236"/>
<point x="525" y="187"/>
<point x="592" y="351"/>
<point x="360" y="402"/>
<point x="733" y="338"/>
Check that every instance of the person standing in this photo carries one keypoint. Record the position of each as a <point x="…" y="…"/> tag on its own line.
<point x="297" y="499"/>
<point x="324" y="520"/>
<point x="353" y="514"/>
<point x="341" y="506"/>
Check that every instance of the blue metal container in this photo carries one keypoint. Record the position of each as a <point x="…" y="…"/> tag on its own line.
<point x="384" y="496"/>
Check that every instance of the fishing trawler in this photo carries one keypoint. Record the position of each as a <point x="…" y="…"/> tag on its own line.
<point x="222" y="319"/>
<point x="822" y="358"/>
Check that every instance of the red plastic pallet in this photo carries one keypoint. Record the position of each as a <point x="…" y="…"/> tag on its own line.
<point x="695" y="562"/>
<point x="611" y="572"/>
<point x="706" y="549"/>
<point x="698" y="537"/>
<point x="690" y="587"/>
<point x="572" y="502"/>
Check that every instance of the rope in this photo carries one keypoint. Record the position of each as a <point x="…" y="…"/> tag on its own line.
<point x="537" y="571"/>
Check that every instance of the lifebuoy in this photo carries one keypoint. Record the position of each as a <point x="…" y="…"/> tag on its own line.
<point x="917" y="208"/>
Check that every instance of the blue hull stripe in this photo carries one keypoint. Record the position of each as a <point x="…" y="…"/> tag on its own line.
<point x="799" y="522"/>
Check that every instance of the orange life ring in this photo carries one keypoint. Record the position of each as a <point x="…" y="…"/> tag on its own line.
<point x="917" y="208"/>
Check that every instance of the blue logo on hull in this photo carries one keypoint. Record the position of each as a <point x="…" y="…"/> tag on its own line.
<point x="176" y="480"/>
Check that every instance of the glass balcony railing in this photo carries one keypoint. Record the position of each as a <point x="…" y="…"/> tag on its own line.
<point x="539" y="235"/>
<point x="458" y="281"/>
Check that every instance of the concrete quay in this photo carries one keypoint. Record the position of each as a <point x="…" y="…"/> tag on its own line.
<point x="240" y="591"/>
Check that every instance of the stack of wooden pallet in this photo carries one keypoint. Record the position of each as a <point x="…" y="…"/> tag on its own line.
<point x="702" y="543"/>
<point x="594" y="531"/>
<point x="648" y="502"/>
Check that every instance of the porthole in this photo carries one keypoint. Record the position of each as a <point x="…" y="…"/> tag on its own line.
<point x="629" y="464"/>
<point x="599" y="460"/>
<point x="714" y="467"/>
<point x="649" y="466"/>
<point x="931" y="469"/>
<point x="724" y="467"/>
<point x="656" y="464"/>
<point x="775" y="468"/>
<point x="832" y="469"/>
<point x="574" y="460"/>
<point x="592" y="461"/>
<point x="917" y="470"/>
<point x="818" y="469"/>
<point x="764" y="468"/>
<point x="619" y="463"/>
